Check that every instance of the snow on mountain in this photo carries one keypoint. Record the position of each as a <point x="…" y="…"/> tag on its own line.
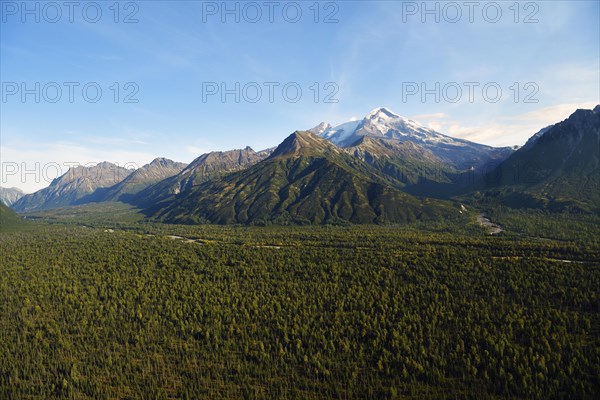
<point x="383" y="123"/>
<point x="319" y="129"/>
<point x="343" y="134"/>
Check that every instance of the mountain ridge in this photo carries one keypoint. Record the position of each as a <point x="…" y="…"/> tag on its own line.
<point x="157" y="170"/>
<point x="204" y="167"/>
<point x="72" y="186"/>
<point x="390" y="157"/>
<point x="558" y="169"/>
<point x="305" y="180"/>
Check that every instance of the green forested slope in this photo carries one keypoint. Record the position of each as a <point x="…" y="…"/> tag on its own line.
<point x="8" y="218"/>
<point x="305" y="180"/>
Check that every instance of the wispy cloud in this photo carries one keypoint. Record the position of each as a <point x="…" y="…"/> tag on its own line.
<point x="552" y="114"/>
<point x="503" y="130"/>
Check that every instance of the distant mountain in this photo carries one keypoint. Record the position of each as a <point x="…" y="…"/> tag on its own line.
<point x="406" y="162"/>
<point x="158" y="170"/>
<point x="70" y="188"/>
<point x="305" y="180"/>
<point x="9" y="196"/>
<point x="7" y="217"/>
<point x="557" y="169"/>
<point x="383" y="123"/>
<point x="207" y="166"/>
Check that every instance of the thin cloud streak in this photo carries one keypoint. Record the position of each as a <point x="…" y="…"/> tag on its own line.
<point x="502" y="131"/>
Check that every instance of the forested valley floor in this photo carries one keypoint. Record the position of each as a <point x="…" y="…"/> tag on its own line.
<point x="92" y="310"/>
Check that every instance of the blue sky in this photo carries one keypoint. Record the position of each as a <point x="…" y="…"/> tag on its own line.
<point x="361" y="54"/>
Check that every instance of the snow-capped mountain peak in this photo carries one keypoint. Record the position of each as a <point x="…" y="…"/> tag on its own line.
<point x="382" y="113"/>
<point x="385" y="124"/>
<point x="381" y="122"/>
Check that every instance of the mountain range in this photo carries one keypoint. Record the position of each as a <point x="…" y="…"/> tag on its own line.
<point x="156" y="171"/>
<point x="206" y="167"/>
<point x="383" y="168"/>
<point x="76" y="184"/>
<point x="305" y="180"/>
